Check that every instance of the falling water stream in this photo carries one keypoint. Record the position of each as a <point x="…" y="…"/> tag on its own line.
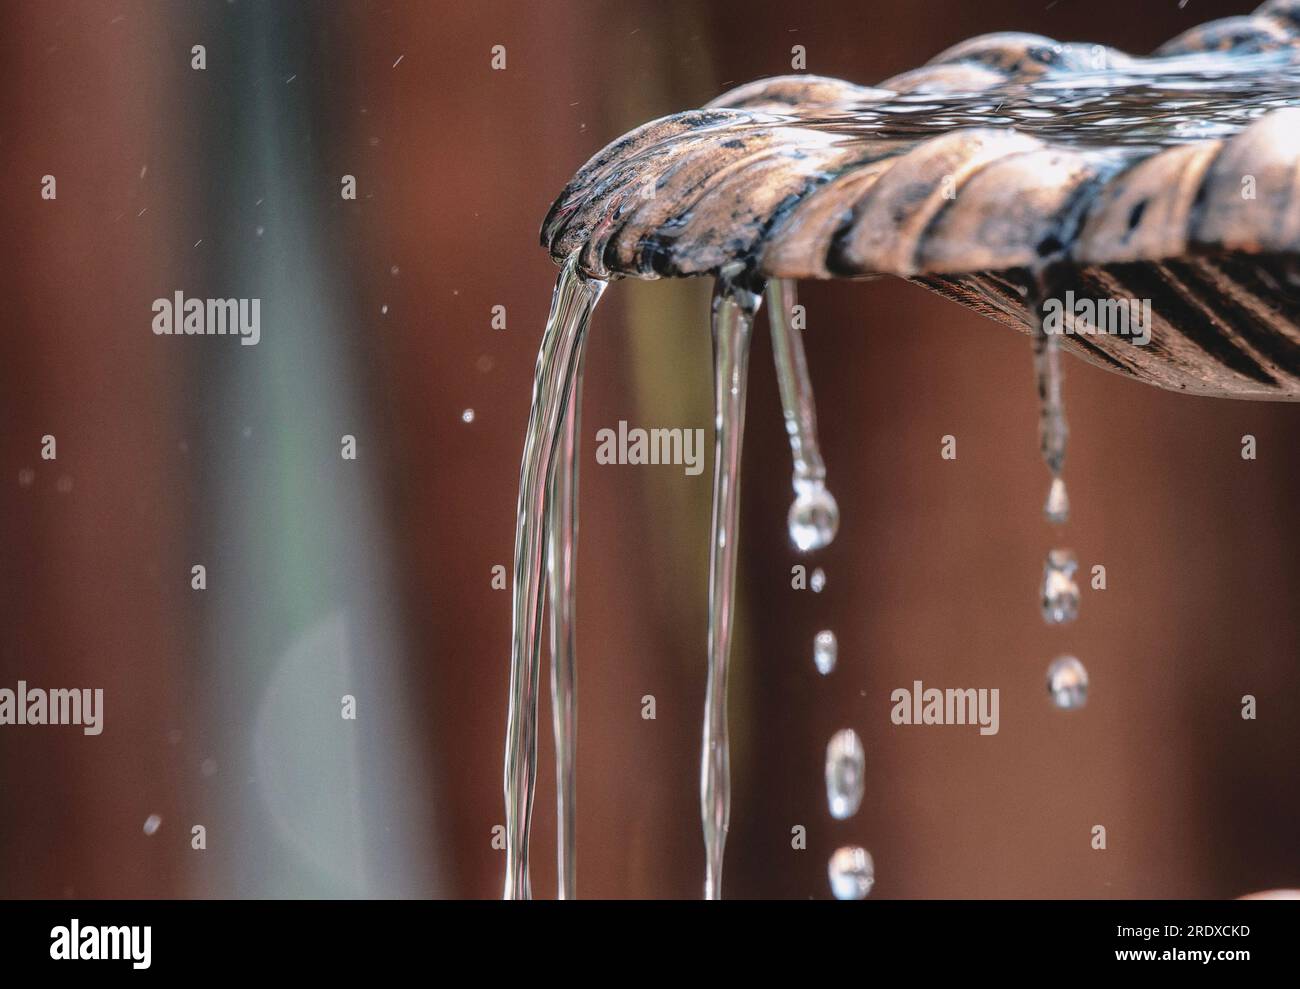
<point x="1052" y="429"/>
<point x="1067" y="680"/>
<point x="1094" y="99"/>
<point x="735" y="301"/>
<point x="562" y="551"/>
<point x="550" y="421"/>
<point x="546" y="540"/>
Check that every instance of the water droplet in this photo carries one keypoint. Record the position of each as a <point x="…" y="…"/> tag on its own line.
<point x="814" y="517"/>
<point x="852" y="873"/>
<point x="1067" y="682"/>
<point x="151" y="824"/>
<point x="26" y="477"/>
<point x="818" y="580"/>
<point x="467" y="415"/>
<point x="383" y="310"/>
<point x="845" y="772"/>
<point x="825" y="651"/>
<point x="1057" y="507"/>
<point x="1060" y="592"/>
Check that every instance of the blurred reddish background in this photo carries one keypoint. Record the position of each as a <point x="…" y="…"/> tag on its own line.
<point x="374" y="577"/>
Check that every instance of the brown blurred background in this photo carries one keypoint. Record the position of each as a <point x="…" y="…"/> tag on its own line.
<point x="373" y="578"/>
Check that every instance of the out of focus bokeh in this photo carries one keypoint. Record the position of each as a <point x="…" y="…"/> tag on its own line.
<point x="373" y="578"/>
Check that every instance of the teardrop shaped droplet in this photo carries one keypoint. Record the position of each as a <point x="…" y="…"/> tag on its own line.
<point x="852" y="873"/>
<point x="1060" y="592"/>
<point x="814" y="517"/>
<point x="818" y="580"/>
<point x="1067" y="682"/>
<point x="1057" y="508"/>
<point x="826" y="649"/>
<point x="845" y="772"/>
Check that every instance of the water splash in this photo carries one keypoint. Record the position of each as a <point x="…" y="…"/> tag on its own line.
<point x="1067" y="682"/>
<point x="558" y="362"/>
<point x="852" y="873"/>
<point x="1060" y="592"/>
<point x="826" y="650"/>
<point x="814" y="517"/>
<point x="736" y="298"/>
<point x="845" y="774"/>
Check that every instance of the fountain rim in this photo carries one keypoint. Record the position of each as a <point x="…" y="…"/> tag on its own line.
<point x="1188" y="193"/>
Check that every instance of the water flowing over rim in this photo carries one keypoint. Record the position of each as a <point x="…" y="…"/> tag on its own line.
<point x="773" y="175"/>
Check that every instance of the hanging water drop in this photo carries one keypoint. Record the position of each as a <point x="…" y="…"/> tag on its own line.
<point x="814" y="517"/>
<point x="845" y="772"/>
<point x="852" y="873"/>
<point x="1057" y="507"/>
<point x="1060" y="592"/>
<point x="818" y="580"/>
<point x="825" y="651"/>
<point x="1067" y="682"/>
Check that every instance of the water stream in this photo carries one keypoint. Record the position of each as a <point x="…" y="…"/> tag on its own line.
<point x="562" y="551"/>
<point x="1067" y="680"/>
<point x="558" y="363"/>
<point x="1086" y="97"/>
<point x="1053" y="432"/>
<point x="735" y="301"/>
<point x="546" y="542"/>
